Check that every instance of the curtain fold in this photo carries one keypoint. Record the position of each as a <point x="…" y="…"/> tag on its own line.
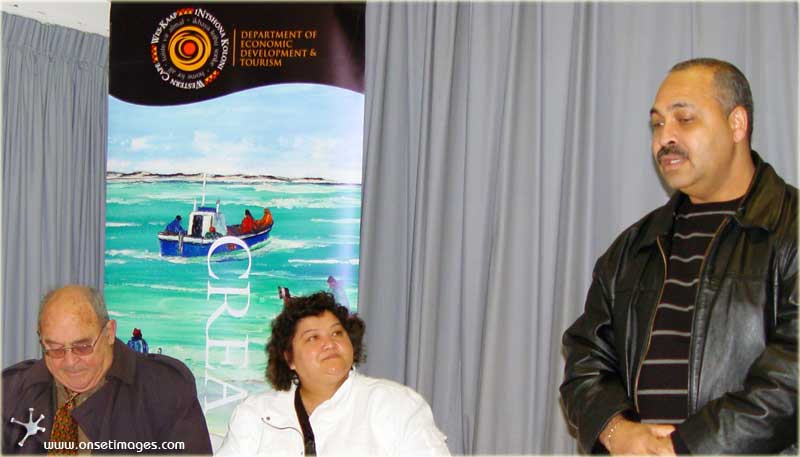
<point x="506" y="145"/>
<point x="55" y="121"/>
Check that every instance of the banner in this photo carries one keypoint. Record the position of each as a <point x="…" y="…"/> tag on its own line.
<point x="233" y="178"/>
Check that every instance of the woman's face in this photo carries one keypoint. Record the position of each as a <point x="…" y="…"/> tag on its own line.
<point x="322" y="351"/>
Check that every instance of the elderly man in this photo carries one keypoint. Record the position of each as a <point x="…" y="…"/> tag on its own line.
<point x="688" y="341"/>
<point x="91" y="392"/>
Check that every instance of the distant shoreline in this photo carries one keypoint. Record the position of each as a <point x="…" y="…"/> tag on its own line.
<point x="143" y="176"/>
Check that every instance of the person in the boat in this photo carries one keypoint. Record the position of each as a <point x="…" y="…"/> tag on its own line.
<point x="248" y="223"/>
<point x="265" y="221"/>
<point x="212" y="233"/>
<point x="320" y="405"/>
<point x="175" y="227"/>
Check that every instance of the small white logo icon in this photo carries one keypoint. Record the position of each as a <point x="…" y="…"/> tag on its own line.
<point x="31" y="426"/>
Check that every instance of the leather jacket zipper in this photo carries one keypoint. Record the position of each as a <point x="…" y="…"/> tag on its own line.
<point x="653" y="314"/>
<point x="694" y="314"/>
<point x="650" y="327"/>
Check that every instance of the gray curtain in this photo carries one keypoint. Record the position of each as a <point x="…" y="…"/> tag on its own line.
<point x="506" y="145"/>
<point x="55" y="119"/>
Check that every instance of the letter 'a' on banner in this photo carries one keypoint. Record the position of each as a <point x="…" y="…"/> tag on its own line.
<point x="234" y="173"/>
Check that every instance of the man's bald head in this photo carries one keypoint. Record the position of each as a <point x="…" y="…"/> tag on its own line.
<point x="75" y="294"/>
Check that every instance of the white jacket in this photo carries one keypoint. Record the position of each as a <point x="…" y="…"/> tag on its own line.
<point x="366" y="416"/>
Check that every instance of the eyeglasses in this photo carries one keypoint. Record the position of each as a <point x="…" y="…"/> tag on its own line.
<point x="77" y="349"/>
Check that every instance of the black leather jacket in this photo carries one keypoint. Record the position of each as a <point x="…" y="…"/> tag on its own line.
<point x="743" y="350"/>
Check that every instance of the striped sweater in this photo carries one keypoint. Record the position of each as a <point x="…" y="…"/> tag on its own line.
<point x="662" y="389"/>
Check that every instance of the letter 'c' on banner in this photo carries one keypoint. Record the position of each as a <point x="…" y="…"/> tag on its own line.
<point x="229" y="240"/>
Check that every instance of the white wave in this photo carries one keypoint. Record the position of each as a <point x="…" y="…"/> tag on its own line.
<point x="116" y="262"/>
<point x="133" y="253"/>
<point x="166" y="287"/>
<point x="354" y="220"/>
<point x="116" y="314"/>
<point x="315" y="203"/>
<point x="124" y="201"/>
<point x="180" y="198"/>
<point x="346" y="237"/>
<point x="147" y="255"/>
<point x="317" y="189"/>
<point x="122" y="224"/>
<point x="255" y="207"/>
<point x="277" y="274"/>
<point x="282" y="244"/>
<point x="238" y="185"/>
<point x="326" y="261"/>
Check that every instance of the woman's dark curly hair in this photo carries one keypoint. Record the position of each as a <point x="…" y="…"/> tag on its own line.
<point x="284" y="325"/>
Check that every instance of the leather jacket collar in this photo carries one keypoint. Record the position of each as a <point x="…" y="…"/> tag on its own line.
<point x="760" y="207"/>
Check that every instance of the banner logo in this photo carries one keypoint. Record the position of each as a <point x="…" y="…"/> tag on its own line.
<point x="189" y="48"/>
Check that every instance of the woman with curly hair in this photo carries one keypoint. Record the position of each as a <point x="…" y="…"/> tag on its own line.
<point x="320" y="404"/>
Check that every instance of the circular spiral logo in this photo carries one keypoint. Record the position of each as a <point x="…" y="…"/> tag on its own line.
<point x="189" y="48"/>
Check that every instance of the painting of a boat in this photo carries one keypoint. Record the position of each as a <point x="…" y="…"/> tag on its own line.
<point x="207" y="224"/>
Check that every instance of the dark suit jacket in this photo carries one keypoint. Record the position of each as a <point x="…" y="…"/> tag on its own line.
<point x="147" y="399"/>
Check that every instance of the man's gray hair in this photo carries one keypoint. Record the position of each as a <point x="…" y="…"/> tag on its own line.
<point x="732" y="87"/>
<point x="93" y="296"/>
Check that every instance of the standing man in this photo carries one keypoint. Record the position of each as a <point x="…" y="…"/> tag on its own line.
<point x="137" y="342"/>
<point x="91" y="392"/>
<point x="688" y="341"/>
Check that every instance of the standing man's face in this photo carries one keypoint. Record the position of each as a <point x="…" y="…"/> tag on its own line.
<point x="68" y="319"/>
<point x="693" y="139"/>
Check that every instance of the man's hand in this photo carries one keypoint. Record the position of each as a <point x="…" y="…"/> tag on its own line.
<point x="630" y="437"/>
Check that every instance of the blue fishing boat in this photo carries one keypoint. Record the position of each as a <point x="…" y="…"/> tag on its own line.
<point x="206" y="226"/>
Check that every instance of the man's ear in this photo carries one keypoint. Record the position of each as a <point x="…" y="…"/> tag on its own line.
<point x="112" y="330"/>
<point x="739" y="123"/>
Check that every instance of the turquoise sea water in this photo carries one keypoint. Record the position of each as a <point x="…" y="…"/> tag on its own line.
<point x="316" y="234"/>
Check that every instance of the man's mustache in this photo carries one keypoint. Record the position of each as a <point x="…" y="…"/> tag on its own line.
<point x="671" y="149"/>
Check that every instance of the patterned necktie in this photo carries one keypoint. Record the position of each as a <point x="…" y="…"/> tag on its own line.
<point x="65" y="430"/>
